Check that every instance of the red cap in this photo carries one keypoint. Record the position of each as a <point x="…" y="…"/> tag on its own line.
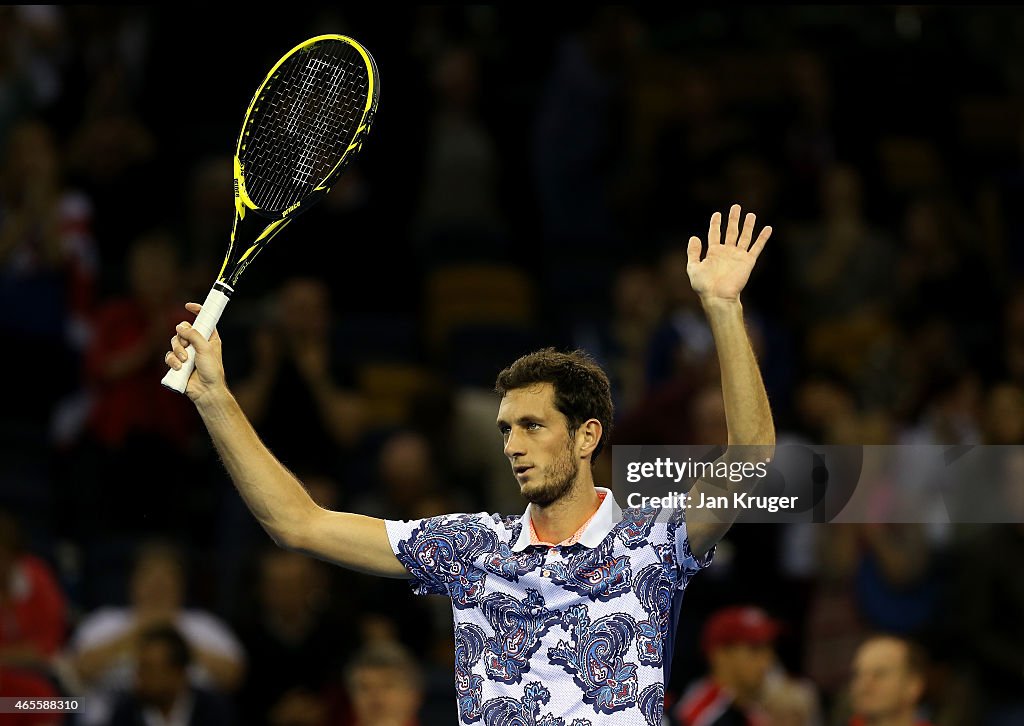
<point x="741" y="624"/>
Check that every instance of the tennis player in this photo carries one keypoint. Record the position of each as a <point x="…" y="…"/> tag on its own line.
<point x="565" y="615"/>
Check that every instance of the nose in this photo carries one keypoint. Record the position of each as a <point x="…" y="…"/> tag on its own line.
<point x="513" y="445"/>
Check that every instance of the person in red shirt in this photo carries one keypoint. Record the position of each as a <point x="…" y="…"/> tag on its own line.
<point x="133" y="425"/>
<point x="888" y="682"/>
<point x="32" y="607"/>
<point x="739" y="645"/>
<point x="129" y="334"/>
<point x="21" y="684"/>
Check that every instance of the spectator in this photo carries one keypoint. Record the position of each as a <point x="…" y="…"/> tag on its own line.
<point x="681" y="345"/>
<point x="385" y="687"/>
<point x="106" y="645"/>
<point x="407" y="480"/>
<point x="888" y="683"/>
<point x="739" y="645"/>
<point x="791" y="702"/>
<point x="619" y="341"/>
<point x="303" y="380"/>
<point x="163" y="695"/>
<point x="20" y="684"/>
<point x="458" y="196"/>
<point x="575" y="159"/>
<point x="47" y="271"/>
<point x="133" y="426"/>
<point x="32" y="608"/>
<point x="128" y="334"/>
<point x="294" y="649"/>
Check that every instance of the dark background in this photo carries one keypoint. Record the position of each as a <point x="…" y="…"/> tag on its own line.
<point x="542" y="170"/>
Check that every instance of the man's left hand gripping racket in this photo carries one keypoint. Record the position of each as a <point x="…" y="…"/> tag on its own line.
<point x="304" y="125"/>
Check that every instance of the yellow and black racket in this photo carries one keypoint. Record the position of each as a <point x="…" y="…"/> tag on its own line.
<point x="304" y="125"/>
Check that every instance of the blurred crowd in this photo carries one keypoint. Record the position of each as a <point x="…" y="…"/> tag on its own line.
<point x="525" y="184"/>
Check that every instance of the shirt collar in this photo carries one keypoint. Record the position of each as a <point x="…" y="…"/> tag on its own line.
<point x="598" y="528"/>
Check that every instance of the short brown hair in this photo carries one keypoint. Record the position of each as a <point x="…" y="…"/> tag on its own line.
<point x="582" y="390"/>
<point x="389" y="655"/>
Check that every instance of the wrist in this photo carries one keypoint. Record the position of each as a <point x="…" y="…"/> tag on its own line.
<point x="716" y="304"/>
<point x="215" y="401"/>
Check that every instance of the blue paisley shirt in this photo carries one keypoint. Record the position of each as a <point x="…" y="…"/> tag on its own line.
<point x="577" y="635"/>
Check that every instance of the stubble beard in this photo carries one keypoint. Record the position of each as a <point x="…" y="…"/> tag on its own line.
<point x="559" y="476"/>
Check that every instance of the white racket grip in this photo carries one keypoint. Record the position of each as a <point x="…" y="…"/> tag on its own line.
<point x="205" y="322"/>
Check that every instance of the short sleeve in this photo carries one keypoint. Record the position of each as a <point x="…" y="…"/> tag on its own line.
<point x="687" y="563"/>
<point x="440" y="553"/>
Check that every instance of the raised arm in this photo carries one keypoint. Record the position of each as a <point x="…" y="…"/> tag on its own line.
<point x="276" y="498"/>
<point x="718" y="280"/>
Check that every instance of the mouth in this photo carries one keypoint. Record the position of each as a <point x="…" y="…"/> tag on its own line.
<point x="520" y="471"/>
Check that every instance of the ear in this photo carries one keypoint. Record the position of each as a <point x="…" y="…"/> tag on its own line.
<point x="587" y="437"/>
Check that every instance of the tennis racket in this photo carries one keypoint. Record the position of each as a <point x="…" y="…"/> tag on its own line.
<point x="304" y="125"/>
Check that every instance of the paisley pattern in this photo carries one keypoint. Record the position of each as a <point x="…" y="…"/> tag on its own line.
<point x="635" y="528"/>
<point x="530" y="647"/>
<point x="595" y="658"/>
<point x="503" y="562"/>
<point x="504" y="711"/>
<point x="518" y="627"/>
<point x="596" y="573"/>
<point x="652" y="703"/>
<point x="655" y="595"/>
<point x="469" y="646"/>
<point x="438" y="555"/>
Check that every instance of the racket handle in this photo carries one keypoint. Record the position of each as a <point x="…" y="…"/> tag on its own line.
<point x="205" y="322"/>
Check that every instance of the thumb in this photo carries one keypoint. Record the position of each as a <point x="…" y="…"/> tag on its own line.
<point x="693" y="248"/>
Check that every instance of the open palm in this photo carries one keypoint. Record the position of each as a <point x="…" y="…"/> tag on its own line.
<point x="726" y="267"/>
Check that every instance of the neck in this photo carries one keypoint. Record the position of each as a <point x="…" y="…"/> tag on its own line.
<point x="559" y="520"/>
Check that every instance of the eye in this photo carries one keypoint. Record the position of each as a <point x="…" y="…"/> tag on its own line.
<point x="504" y="430"/>
<point x="533" y="426"/>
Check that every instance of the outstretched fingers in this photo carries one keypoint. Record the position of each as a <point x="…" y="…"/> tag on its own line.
<point x="693" y="249"/>
<point x="747" y="231"/>
<point x="759" y="243"/>
<point x="732" y="231"/>
<point x="715" y="229"/>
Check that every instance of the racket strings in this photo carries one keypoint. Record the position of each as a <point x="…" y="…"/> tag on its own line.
<point x="303" y="123"/>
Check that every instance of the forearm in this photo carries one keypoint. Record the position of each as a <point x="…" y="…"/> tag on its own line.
<point x="281" y="504"/>
<point x="748" y="416"/>
<point x="89" y="664"/>
<point x="747" y="411"/>
<point x="275" y="497"/>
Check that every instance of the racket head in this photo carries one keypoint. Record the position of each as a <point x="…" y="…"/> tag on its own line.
<point x="304" y="125"/>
